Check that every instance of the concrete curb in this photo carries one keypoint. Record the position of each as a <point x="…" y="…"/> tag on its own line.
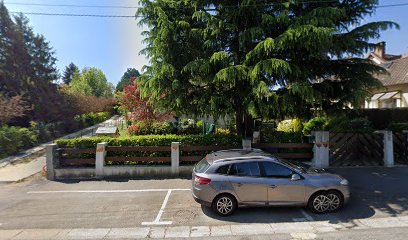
<point x="297" y="230"/>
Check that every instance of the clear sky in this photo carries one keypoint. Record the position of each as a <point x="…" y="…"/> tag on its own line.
<point x="113" y="45"/>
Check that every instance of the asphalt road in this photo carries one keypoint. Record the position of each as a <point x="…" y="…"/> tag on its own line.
<point x="379" y="199"/>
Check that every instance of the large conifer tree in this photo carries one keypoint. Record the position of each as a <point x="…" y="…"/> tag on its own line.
<point x="253" y="58"/>
<point x="27" y="68"/>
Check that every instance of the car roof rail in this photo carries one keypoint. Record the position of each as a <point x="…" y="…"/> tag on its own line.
<point x="239" y="150"/>
<point x="241" y="158"/>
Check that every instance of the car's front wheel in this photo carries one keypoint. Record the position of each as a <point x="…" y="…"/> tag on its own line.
<point x="323" y="202"/>
<point x="224" y="205"/>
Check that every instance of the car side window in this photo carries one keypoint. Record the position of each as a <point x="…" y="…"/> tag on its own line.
<point x="245" y="169"/>
<point x="223" y="170"/>
<point x="274" y="170"/>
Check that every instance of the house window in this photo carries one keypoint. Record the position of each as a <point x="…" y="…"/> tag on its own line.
<point x="385" y="100"/>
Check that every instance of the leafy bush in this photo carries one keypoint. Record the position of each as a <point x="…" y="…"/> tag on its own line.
<point x="153" y="140"/>
<point x="344" y="124"/>
<point x="398" y="127"/>
<point x="270" y="135"/>
<point x="133" y="130"/>
<point x="42" y="131"/>
<point x="149" y="127"/>
<point x="222" y="131"/>
<point x="189" y="126"/>
<point x="317" y="123"/>
<point x="13" y="139"/>
<point x="291" y="125"/>
<point x="89" y="119"/>
<point x="282" y="137"/>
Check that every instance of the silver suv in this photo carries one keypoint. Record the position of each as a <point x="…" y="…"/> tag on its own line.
<point x="224" y="180"/>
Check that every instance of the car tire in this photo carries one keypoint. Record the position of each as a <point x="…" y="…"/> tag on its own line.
<point x="224" y="205"/>
<point x="325" y="202"/>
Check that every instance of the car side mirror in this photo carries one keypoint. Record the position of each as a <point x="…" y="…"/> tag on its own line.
<point x="296" y="177"/>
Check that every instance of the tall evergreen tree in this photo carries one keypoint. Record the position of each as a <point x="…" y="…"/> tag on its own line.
<point x="42" y="67"/>
<point x="130" y="73"/>
<point x="258" y="58"/>
<point x="27" y="67"/>
<point x="69" y="73"/>
<point x="14" y="58"/>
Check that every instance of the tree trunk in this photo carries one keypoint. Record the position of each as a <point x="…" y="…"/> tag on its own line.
<point x="239" y="115"/>
<point x="244" y="124"/>
<point x="249" y="126"/>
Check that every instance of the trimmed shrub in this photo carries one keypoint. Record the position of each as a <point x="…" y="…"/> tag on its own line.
<point x="282" y="137"/>
<point x="151" y="127"/>
<point x="398" y="127"/>
<point x="317" y="123"/>
<point x="153" y="140"/>
<point x="344" y="124"/>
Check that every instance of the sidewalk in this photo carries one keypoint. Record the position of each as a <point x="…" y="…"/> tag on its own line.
<point x="294" y="230"/>
<point x="10" y="172"/>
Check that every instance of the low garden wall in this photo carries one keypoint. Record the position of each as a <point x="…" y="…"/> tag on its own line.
<point x="174" y="156"/>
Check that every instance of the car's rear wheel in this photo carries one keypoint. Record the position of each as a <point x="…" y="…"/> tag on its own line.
<point x="224" y="205"/>
<point x="324" y="202"/>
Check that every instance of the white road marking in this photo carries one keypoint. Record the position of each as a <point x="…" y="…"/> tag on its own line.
<point x="157" y="220"/>
<point x="306" y="215"/>
<point x="109" y="191"/>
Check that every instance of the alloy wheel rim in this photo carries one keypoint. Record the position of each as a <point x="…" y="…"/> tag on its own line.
<point x="334" y="201"/>
<point x="321" y="203"/>
<point x="224" y="205"/>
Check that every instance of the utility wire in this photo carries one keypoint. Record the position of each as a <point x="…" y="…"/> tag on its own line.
<point x="77" y="15"/>
<point x="135" y="7"/>
<point x="68" y="5"/>
<point x="135" y="16"/>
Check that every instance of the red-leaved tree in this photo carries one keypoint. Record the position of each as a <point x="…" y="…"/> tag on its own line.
<point x="11" y="108"/>
<point x="136" y="108"/>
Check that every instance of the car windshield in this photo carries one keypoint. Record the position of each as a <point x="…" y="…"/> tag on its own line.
<point x="302" y="167"/>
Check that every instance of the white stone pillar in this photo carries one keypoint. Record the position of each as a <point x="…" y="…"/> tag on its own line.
<point x="51" y="160"/>
<point x="246" y="144"/>
<point x="321" y="149"/>
<point x="175" y="158"/>
<point x="388" y="148"/>
<point x="256" y="137"/>
<point x="100" y="159"/>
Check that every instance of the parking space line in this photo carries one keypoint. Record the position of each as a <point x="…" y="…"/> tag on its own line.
<point x="157" y="220"/>
<point x="110" y="191"/>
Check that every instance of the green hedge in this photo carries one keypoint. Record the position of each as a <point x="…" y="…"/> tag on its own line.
<point x="269" y="134"/>
<point x="153" y="140"/>
<point x="89" y="119"/>
<point x="13" y="139"/>
<point x="398" y="127"/>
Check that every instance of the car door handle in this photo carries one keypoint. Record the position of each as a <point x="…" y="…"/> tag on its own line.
<point x="272" y="186"/>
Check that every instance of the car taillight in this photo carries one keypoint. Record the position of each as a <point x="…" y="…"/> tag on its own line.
<point x="201" y="180"/>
